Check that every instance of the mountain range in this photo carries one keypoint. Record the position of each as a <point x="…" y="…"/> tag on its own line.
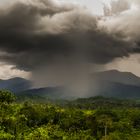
<point x="116" y="84"/>
<point x="111" y="83"/>
<point x="15" y="84"/>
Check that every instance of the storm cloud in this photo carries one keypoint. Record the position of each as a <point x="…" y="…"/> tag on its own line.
<point x="43" y="35"/>
<point x="42" y="31"/>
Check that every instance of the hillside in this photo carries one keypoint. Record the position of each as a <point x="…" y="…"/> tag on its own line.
<point x="16" y="84"/>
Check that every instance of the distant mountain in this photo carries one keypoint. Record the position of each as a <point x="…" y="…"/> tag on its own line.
<point x="118" y="77"/>
<point x="108" y="84"/>
<point x="116" y="84"/>
<point x="118" y="90"/>
<point x="15" y="84"/>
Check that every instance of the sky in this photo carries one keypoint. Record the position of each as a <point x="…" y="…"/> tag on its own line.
<point x="95" y="6"/>
<point x="59" y="40"/>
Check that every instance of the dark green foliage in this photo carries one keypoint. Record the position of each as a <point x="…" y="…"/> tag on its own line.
<point x="6" y="97"/>
<point x="71" y="120"/>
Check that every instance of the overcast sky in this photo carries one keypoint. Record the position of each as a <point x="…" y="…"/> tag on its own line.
<point x="95" y="6"/>
<point x="38" y="35"/>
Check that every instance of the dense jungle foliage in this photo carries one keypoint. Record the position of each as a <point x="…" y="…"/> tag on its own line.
<point x="83" y="119"/>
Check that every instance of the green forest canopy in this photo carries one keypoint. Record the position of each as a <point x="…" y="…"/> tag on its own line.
<point x="50" y="121"/>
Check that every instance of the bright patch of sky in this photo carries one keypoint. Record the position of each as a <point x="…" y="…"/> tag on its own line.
<point x="8" y="71"/>
<point x="95" y="6"/>
<point x="128" y="64"/>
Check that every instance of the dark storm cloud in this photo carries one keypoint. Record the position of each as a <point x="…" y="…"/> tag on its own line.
<point x="41" y="32"/>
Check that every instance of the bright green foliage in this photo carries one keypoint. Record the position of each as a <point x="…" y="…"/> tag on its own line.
<point x="6" y="136"/>
<point x="38" y="121"/>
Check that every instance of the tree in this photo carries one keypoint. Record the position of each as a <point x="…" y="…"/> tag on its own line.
<point x="7" y="96"/>
<point x="106" y="122"/>
<point x="104" y="119"/>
